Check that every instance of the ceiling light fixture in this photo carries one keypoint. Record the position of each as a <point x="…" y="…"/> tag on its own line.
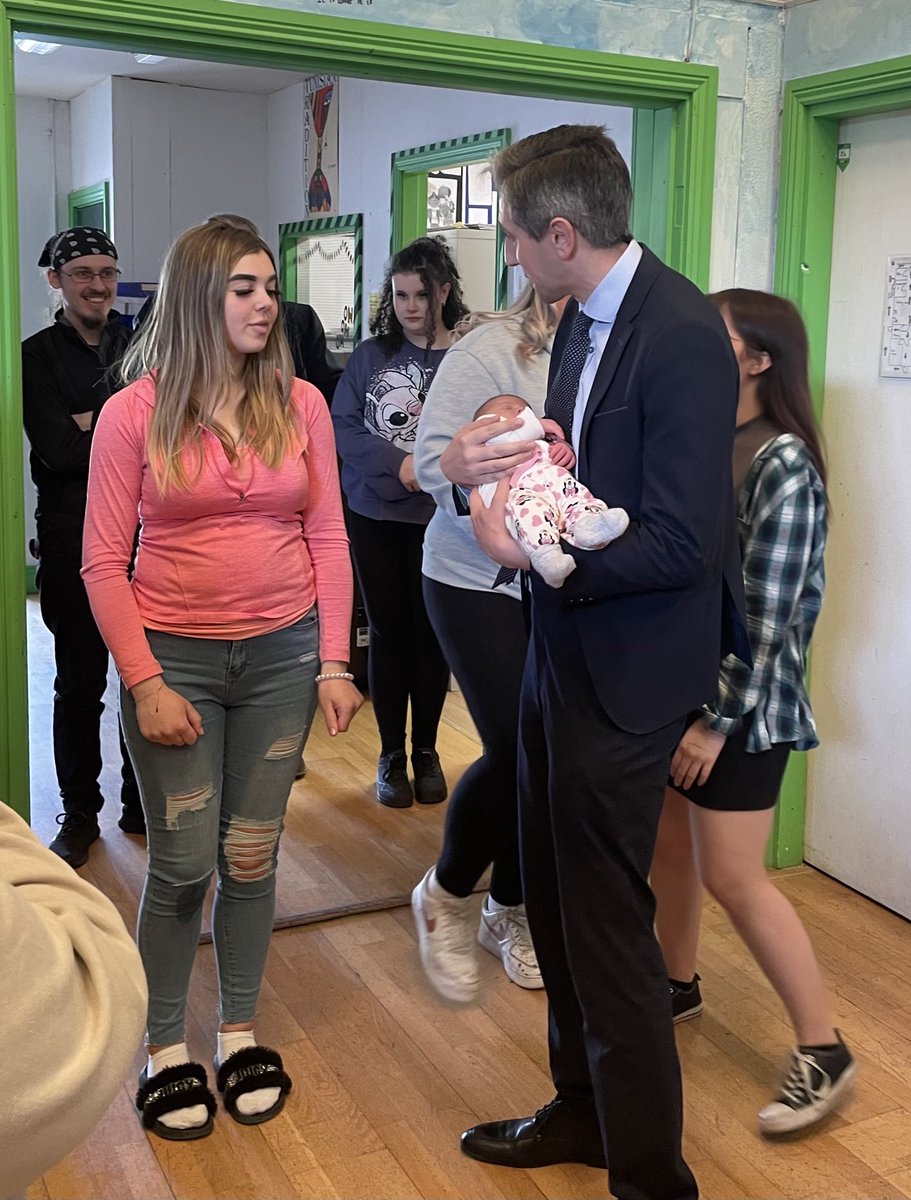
<point x="32" y="46"/>
<point x="150" y="58"/>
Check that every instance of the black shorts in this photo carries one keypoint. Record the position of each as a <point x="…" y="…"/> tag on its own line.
<point x="740" y="781"/>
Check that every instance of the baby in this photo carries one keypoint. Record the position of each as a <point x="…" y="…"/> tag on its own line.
<point x="546" y="503"/>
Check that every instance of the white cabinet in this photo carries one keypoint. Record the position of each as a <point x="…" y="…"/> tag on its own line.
<point x="475" y="254"/>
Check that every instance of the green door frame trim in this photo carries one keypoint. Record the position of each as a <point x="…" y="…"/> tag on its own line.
<point x="290" y="235"/>
<point x="409" y="189"/>
<point x="653" y="157"/>
<point x="813" y="109"/>
<point x="221" y="31"/>
<point x="94" y="193"/>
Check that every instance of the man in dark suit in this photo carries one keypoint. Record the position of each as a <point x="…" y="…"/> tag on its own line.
<point x="644" y="382"/>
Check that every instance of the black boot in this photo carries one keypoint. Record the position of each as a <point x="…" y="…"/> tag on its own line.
<point x="429" y="784"/>
<point x="392" y="785"/>
<point x="132" y="818"/>
<point x="77" y="832"/>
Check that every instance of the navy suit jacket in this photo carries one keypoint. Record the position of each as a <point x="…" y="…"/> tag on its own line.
<point x="656" y="610"/>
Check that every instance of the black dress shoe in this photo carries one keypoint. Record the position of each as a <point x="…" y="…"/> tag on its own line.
<point x="393" y="787"/>
<point x="429" y="782"/>
<point x="555" y="1134"/>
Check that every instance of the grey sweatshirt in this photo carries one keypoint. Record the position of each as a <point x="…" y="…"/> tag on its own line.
<point x="484" y="363"/>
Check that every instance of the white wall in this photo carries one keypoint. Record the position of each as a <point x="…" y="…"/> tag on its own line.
<point x="287" y="169"/>
<point x="180" y="154"/>
<point x="42" y="142"/>
<point x="859" y="819"/>
<point x="91" y="141"/>
<point x="368" y="139"/>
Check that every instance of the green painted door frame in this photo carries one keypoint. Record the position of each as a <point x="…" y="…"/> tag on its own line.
<point x="259" y="36"/>
<point x="813" y="109"/>
<point x="409" y="189"/>
<point x="288" y="241"/>
<point x="87" y="197"/>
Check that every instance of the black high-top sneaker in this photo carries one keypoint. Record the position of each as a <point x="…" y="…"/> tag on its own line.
<point x="393" y="787"/>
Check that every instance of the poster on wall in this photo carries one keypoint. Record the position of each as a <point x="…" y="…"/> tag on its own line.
<point x="895" y="361"/>
<point x="444" y="199"/>
<point x="321" y="145"/>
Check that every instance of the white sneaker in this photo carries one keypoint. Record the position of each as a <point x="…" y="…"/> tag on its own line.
<point x="506" y="935"/>
<point x="815" y="1085"/>
<point x="446" y="941"/>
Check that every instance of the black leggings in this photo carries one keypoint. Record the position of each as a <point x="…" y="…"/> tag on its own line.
<point x="405" y="660"/>
<point x="483" y="635"/>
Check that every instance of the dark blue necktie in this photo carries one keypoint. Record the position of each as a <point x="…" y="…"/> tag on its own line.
<point x="561" y="399"/>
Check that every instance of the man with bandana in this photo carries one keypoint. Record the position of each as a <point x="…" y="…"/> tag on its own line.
<point x="68" y="372"/>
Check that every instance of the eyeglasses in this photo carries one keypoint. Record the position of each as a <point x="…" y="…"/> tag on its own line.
<point x="84" y="275"/>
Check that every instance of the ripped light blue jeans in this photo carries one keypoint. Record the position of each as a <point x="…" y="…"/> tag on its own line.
<point x="219" y="805"/>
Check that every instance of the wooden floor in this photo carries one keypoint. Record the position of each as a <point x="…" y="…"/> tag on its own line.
<point x="387" y="1075"/>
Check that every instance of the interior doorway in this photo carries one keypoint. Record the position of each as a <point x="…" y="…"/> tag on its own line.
<point x="170" y="142"/>
<point x="813" y="109"/>
<point x="224" y="31"/>
<point x="858" y="826"/>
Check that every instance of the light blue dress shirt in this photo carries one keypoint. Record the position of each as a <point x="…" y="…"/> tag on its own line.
<point x="602" y="306"/>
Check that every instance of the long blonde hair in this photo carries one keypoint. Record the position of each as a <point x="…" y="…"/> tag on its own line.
<point x="537" y="322"/>
<point x="185" y="344"/>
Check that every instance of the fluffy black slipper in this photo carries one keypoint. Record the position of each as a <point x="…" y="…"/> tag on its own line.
<point x="175" y="1087"/>
<point x="248" y="1070"/>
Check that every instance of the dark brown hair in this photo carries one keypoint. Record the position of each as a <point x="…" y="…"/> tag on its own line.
<point x="430" y="258"/>
<point x="772" y="325"/>
<point x="572" y="171"/>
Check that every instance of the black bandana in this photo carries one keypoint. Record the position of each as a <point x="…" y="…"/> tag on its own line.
<point x="75" y="243"/>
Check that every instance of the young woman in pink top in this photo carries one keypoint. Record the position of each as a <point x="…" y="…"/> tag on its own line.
<point x="229" y="464"/>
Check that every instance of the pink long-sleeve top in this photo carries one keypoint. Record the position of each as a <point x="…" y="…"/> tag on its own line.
<point x="245" y="551"/>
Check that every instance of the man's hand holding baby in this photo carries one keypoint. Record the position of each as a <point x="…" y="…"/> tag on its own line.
<point x="469" y="460"/>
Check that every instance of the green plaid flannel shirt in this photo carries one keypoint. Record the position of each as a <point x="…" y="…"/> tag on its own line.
<point x="782" y="519"/>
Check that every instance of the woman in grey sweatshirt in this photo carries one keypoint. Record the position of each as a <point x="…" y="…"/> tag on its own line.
<point x="484" y="638"/>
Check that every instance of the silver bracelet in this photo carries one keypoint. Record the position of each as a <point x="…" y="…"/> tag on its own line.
<point x="335" y="675"/>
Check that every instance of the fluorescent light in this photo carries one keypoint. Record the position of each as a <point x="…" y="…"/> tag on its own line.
<point x="150" y="58"/>
<point x="32" y="46"/>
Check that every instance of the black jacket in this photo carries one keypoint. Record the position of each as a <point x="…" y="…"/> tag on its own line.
<point x="313" y="361"/>
<point x="657" y="609"/>
<point x="62" y="376"/>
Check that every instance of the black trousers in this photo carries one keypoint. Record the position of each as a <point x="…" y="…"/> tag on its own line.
<point x="484" y="638"/>
<point x="590" y="796"/>
<point x="405" y="660"/>
<point x="81" y="661"/>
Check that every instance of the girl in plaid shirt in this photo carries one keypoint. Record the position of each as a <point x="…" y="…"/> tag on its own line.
<point x="727" y="771"/>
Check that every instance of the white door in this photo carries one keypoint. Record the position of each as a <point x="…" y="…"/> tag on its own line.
<point x="859" y="798"/>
